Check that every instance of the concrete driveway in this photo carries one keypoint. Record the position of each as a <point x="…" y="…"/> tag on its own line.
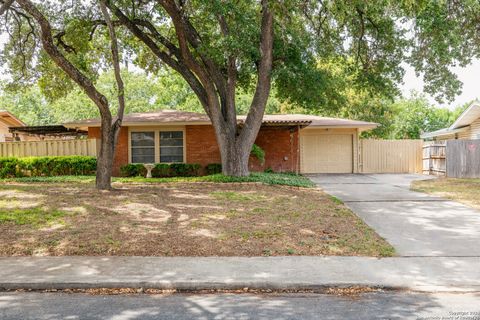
<point x="416" y="224"/>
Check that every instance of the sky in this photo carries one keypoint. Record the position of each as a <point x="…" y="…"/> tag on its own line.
<point x="468" y="75"/>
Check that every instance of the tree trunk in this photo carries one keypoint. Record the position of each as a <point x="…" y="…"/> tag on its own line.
<point x="234" y="158"/>
<point x="234" y="149"/>
<point x="105" y="156"/>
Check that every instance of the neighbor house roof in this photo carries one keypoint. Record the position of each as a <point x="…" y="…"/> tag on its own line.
<point x="8" y="118"/>
<point x="183" y="117"/>
<point x="471" y="114"/>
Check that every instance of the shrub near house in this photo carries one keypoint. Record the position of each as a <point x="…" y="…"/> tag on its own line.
<point x="47" y="166"/>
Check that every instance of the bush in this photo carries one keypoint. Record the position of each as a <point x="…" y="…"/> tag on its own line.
<point x="185" y="169"/>
<point x="133" y="170"/>
<point x="47" y="166"/>
<point x="213" y="168"/>
<point x="8" y="167"/>
<point x="162" y="170"/>
<point x="258" y="153"/>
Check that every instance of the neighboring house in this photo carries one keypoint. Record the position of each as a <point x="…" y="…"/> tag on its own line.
<point x="467" y="126"/>
<point x="9" y="120"/>
<point x="292" y="142"/>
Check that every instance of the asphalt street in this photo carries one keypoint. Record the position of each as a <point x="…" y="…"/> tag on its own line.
<point x="376" y="305"/>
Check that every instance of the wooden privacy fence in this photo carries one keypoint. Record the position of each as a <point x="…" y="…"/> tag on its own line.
<point x="463" y="158"/>
<point x="391" y="156"/>
<point x="434" y="158"/>
<point x="83" y="147"/>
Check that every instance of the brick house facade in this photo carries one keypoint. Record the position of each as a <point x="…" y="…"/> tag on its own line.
<point x="280" y="144"/>
<point x="292" y="142"/>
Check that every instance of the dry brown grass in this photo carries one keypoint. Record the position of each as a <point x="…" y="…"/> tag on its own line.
<point x="466" y="191"/>
<point x="179" y="219"/>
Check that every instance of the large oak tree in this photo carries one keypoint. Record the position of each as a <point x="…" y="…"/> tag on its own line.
<point x="220" y="47"/>
<point x="110" y="127"/>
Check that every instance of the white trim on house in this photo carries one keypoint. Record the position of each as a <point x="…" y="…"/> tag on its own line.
<point x="156" y="130"/>
<point x="471" y="114"/>
<point x="442" y="133"/>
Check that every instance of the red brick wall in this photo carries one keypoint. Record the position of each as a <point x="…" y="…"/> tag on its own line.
<point x="121" y="152"/>
<point x="281" y="149"/>
<point x="279" y="143"/>
<point x="201" y="145"/>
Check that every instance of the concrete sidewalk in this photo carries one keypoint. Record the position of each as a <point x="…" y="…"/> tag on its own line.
<point x="196" y="273"/>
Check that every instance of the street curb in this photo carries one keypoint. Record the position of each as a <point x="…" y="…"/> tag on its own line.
<point x="430" y="274"/>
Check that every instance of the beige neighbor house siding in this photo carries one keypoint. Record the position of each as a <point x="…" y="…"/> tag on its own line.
<point x="475" y="129"/>
<point x="4" y="134"/>
<point x="471" y="132"/>
<point x="328" y="150"/>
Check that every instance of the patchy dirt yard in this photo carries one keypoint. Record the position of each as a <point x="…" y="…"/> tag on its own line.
<point x="179" y="219"/>
<point x="466" y="191"/>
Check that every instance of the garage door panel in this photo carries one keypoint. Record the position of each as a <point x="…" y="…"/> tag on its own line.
<point x="327" y="153"/>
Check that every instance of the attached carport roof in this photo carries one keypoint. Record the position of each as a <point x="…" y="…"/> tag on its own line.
<point x="173" y="117"/>
<point x="51" y="130"/>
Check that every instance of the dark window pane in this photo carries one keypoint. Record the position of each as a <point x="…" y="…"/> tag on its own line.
<point x="171" y="151"/>
<point x="171" y="146"/>
<point x="143" y="159"/>
<point x="143" y="139"/>
<point x="171" y="158"/>
<point x="171" y="142"/>
<point x="143" y="151"/>
<point x="143" y="147"/>
<point x="171" y="135"/>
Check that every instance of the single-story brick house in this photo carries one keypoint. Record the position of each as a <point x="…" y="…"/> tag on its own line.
<point x="292" y="142"/>
<point x="467" y="126"/>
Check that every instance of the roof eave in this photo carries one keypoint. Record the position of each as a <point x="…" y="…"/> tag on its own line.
<point x="457" y="124"/>
<point x="442" y="132"/>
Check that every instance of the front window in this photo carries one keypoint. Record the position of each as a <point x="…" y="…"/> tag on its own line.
<point x="171" y="146"/>
<point x="143" y="147"/>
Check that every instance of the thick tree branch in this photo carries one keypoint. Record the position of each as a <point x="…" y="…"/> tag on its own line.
<point x="5" y="6"/>
<point x="207" y="72"/>
<point x="166" y="58"/>
<point x="66" y="47"/>
<point x="116" y="68"/>
<point x="61" y="61"/>
<point x="262" y="91"/>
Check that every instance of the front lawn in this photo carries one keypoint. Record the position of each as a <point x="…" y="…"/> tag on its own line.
<point x="266" y="178"/>
<point x="178" y="219"/>
<point x="463" y="190"/>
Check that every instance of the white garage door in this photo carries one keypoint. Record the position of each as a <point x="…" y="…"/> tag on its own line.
<point x="327" y="153"/>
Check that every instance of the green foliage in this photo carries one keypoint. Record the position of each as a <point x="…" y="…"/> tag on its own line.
<point x="133" y="170"/>
<point x="184" y="169"/>
<point x="213" y="168"/>
<point x="288" y="179"/>
<point x="28" y="104"/>
<point x="47" y="166"/>
<point x="267" y="178"/>
<point x="162" y="170"/>
<point x="416" y="115"/>
<point x="258" y="153"/>
<point x="36" y="217"/>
